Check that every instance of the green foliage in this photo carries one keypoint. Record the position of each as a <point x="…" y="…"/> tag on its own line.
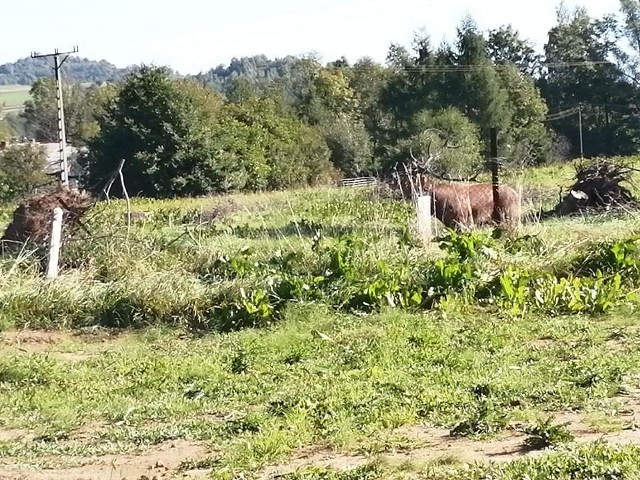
<point x="545" y="433"/>
<point x="365" y="472"/>
<point x="81" y="104"/>
<point x="21" y="171"/>
<point x="160" y="128"/>
<point x="27" y="71"/>
<point x="179" y="139"/>
<point x="558" y="296"/>
<point x="486" y="418"/>
<point x="618" y="257"/>
<point x="435" y="132"/>
<point x="276" y="151"/>
<point x="604" y="86"/>
<point x="506" y="46"/>
<point x="350" y="146"/>
<point x="527" y="138"/>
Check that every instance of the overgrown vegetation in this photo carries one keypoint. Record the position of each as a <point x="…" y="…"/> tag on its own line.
<point x="267" y="327"/>
<point x="339" y="328"/>
<point x="352" y="269"/>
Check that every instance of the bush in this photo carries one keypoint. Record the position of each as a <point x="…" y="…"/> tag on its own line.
<point x="22" y="169"/>
<point x="179" y="139"/>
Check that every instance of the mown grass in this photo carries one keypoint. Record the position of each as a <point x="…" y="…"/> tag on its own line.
<point x="340" y="362"/>
<point x="315" y="379"/>
<point x="12" y="96"/>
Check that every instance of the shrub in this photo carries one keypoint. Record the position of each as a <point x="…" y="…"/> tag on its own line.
<point x="22" y="169"/>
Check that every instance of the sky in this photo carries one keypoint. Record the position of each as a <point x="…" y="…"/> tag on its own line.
<point x="195" y="35"/>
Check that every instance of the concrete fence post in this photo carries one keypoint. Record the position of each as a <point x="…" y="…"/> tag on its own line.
<point x="54" y="244"/>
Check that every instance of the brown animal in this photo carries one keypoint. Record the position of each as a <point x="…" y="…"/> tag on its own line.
<point x="460" y="204"/>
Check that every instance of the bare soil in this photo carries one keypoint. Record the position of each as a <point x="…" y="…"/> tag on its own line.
<point x="161" y="462"/>
<point x="441" y="445"/>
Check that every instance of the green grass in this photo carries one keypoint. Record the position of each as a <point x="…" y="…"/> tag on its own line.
<point x="336" y="365"/>
<point x="13" y="96"/>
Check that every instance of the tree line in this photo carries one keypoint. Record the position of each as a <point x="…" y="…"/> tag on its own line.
<point x="268" y="124"/>
<point x="28" y="70"/>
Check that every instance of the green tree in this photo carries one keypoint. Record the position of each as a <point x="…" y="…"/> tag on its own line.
<point x="41" y="111"/>
<point x="162" y="128"/>
<point x="630" y="10"/>
<point x="272" y="151"/>
<point x="350" y="146"/>
<point x="324" y="98"/>
<point x="527" y="140"/>
<point x="484" y="100"/>
<point x="179" y="138"/>
<point x="446" y="139"/>
<point x="600" y="87"/>
<point x="369" y="79"/>
<point x="506" y="46"/>
<point x="22" y="169"/>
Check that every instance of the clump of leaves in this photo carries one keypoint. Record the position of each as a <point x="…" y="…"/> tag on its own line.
<point x="545" y="433"/>
<point x="465" y="246"/>
<point x="485" y="419"/>
<point x="613" y="257"/>
<point x="364" y="472"/>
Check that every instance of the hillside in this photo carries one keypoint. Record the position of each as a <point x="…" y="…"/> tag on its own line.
<point x="256" y="69"/>
<point x="27" y="70"/>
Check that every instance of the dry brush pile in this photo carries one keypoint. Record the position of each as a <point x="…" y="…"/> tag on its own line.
<point x="32" y="219"/>
<point x="599" y="187"/>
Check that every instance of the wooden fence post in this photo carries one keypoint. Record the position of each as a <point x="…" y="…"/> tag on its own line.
<point x="495" y="179"/>
<point x="54" y="244"/>
<point x="520" y="206"/>
<point x="424" y="217"/>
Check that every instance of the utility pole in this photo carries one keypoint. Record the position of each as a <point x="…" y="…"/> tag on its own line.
<point x="62" y="133"/>
<point x="580" y="123"/>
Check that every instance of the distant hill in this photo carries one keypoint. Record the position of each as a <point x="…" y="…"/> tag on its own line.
<point x="257" y="69"/>
<point x="27" y="70"/>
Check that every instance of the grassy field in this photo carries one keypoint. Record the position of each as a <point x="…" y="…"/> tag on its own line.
<point x="311" y="335"/>
<point x="12" y="97"/>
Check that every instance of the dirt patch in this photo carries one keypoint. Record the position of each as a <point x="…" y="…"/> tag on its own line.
<point x="316" y="457"/>
<point x="39" y="341"/>
<point x="161" y="462"/>
<point x="14" y="435"/>
<point x="74" y="357"/>
<point x="51" y="340"/>
<point x="32" y="339"/>
<point x="542" y="343"/>
<point x="440" y="444"/>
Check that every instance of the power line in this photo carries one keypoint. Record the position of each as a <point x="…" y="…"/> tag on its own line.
<point x="562" y="114"/>
<point x="568" y="113"/>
